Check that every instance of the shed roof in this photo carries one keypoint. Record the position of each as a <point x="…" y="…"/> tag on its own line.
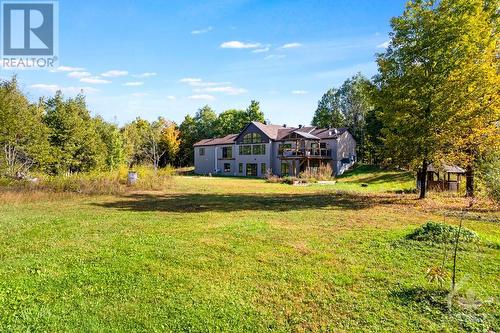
<point x="446" y="168"/>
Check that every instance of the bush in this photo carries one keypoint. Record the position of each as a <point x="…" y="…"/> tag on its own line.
<point x="288" y="180"/>
<point x="270" y="178"/>
<point x="324" y="172"/>
<point x="442" y="233"/>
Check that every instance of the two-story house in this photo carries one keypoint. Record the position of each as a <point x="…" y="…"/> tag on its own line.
<point x="285" y="151"/>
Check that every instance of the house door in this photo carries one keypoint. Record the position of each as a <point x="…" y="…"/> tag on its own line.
<point x="252" y="169"/>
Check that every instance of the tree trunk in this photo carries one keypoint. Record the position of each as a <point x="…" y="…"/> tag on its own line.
<point x="469" y="182"/>
<point x="423" y="179"/>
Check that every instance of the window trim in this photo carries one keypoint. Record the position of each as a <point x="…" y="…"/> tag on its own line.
<point x="242" y="147"/>
<point x="225" y="154"/>
<point x="263" y="169"/>
<point x="252" y="137"/>
<point x="201" y="151"/>
<point x="287" y="173"/>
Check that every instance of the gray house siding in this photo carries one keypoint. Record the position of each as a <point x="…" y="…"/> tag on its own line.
<point x="342" y="150"/>
<point x="345" y="154"/>
<point x="204" y="164"/>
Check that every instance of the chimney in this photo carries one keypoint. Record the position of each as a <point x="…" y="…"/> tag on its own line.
<point x="300" y="126"/>
<point x="284" y="125"/>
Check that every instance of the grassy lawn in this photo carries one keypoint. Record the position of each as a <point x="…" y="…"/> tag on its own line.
<point x="224" y="254"/>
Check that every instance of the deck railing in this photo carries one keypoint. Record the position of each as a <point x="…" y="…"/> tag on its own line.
<point x="314" y="152"/>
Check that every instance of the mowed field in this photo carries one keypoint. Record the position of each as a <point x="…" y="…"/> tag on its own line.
<point x="226" y="254"/>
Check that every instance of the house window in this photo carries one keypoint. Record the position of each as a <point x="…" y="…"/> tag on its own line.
<point x="240" y="168"/>
<point x="322" y="145"/>
<point x="252" y="138"/>
<point x="285" y="169"/>
<point x="202" y="151"/>
<point x="252" y="169"/>
<point x="227" y="152"/>
<point x="263" y="169"/>
<point x="245" y="150"/>
<point x="227" y="167"/>
<point x="283" y="147"/>
<point x="259" y="149"/>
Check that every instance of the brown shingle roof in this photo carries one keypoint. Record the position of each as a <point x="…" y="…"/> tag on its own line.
<point x="270" y="130"/>
<point x="228" y="139"/>
<point x="278" y="132"/>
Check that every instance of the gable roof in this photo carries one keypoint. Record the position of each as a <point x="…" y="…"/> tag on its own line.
<point x="278" y="133"/>
<point x="270" y="130"/>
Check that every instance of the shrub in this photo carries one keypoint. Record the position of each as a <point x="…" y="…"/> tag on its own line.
<point x="288" y="180"/>
<point x="324" y="172"/>
<point x="441" y="233"/>
<point x="270" y="178"/>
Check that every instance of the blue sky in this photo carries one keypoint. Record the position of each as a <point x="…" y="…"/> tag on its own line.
<point x="168" y="58"/>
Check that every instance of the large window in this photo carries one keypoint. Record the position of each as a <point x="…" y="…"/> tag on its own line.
<point x="263" y="169"/>
<point x="259" y="149"/>
<point x="227" y="167"/>
<point x="252" y="169"/>
<point x="245" y="150"/>
<point x="252" y="138"/>
<point x="285" y="169"/>
<point x="202" y="151"/>
<point x="284" y="146"/>
<point x="227" y="152"/>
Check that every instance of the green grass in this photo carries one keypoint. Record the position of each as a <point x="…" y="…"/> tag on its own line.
<point x="224" y="254"/>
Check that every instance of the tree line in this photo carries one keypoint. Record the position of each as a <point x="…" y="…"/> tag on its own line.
<point x="435" y="98"/>
<point x="58" y="135"/>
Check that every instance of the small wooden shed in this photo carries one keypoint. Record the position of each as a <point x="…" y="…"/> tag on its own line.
<point x="445" y="178"/>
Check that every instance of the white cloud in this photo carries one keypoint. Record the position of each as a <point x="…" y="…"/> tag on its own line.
<point x="140" y="94"/>
<point x="234" y="44"/>
<point x="190" y="80"/>
<point x="146" y="74"/>
<point x="227" y="90"/>
<point x="68" y="69"/>
<point x="384" y="45"/>
<point x="200" y="86"/>
<point x="94" y="80"/>
<point x="202" y="97"/>
<point x="114" y="73"/>
<point x="52" y="88"/>
<point x="133" y="84"/>
<point x="45" y="87"/>
<point x="275" y="56"/>
<point x="171" y="98"/>
<point x="290" y="46"/>
<point x="202" y="31"/>
<point x="261" y="50"/>
<point x="299" y="92"/>
<point x="78" y="74"/>
<point x="197" y="82"/>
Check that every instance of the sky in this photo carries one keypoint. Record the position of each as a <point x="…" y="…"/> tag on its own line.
<point x="156" y="58"/>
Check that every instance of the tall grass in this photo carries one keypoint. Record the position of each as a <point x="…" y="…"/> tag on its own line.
<point x="96" y="182"/>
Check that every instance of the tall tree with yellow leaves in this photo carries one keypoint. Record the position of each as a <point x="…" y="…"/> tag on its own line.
<point x="436" y="82"/>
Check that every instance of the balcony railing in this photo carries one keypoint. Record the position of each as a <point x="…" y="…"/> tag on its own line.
<point x="314" y="152"/>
